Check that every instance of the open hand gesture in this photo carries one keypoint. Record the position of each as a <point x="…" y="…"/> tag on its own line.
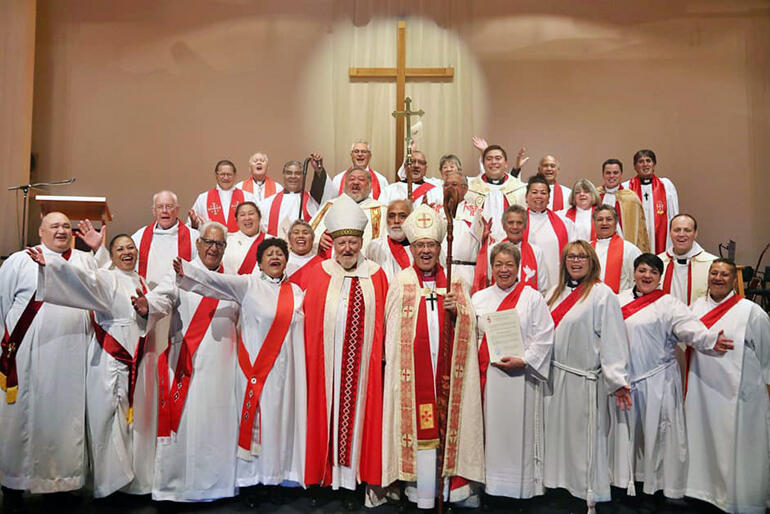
<point x="480" y="143"/>
<point x="195" y="219"/>
<point x="90" y="236"/>
<point x="723" y="345"/>
<point x="178" y="266"/>
<point x="521" y="158"/>
<point x="36" y="254"/>
<point x="139" y="303"/>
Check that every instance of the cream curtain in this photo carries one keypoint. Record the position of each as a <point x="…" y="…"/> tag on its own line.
<point x="348" y="110"/>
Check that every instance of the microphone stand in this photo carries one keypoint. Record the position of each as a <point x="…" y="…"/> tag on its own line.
<point x="25" y="191"/>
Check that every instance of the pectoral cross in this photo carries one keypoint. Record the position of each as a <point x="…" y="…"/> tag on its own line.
<point x="646" y="196"/>
<point x="432" y="298"/>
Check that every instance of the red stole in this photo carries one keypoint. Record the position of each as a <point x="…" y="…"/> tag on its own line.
<point x="421" y="190"/>
<point x="119" y="352"/>
<point x="250" y="261"/>
<point x="558" y="228"/>
<point x="572" y="214"/>
<point x="640" y="303"/>
<point x="528" y="260"/>
<point x="9" y="379"/>
<point x="170" y="405"/>
<point x="558" y="197"/>
<point x="563" y="308"/>
<point x="256" y="373"/>
<point x="216" y="212"/>
<point x="318" y="455"/>
<point x="668" y="276"/>
<point x="275" y="212"/>
<point x="509" y="302"/>
<point x="660" y="206"/>
<point x="398" y="251"/>
<point x="425" y="381"/>
<point x="183" y="245"/>
<point x="300" y="276"/>
<point x="248" y="185"/>
<point x="614" y="264"/>
<point x="372" y="178"/>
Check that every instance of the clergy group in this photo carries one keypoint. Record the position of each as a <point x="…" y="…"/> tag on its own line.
<point x="340" y="332"/>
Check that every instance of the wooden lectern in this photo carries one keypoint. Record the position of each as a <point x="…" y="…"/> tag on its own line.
<point x="78" y="208"/>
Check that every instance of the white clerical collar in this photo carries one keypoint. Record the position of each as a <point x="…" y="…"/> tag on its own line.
<point x="160" y="230"/>
<point x="301" y="258"/>
<point x="219" y="188"/>
<point x="695" y="250"/>
<point x="612" y="189"/>
<point x="544" y="212"/>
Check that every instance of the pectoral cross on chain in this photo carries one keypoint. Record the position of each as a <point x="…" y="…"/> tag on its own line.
<point x="646" y="196"/>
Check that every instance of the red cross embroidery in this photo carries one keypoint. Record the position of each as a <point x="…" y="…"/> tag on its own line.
<point x="408" y="311"/>
<point x="424" y="221"/>
<point x="406" y="440"/>
<point x="406" y="375"/>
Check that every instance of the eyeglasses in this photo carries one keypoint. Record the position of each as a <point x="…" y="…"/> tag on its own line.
<point x="430" y="245"/>
<point x="420" y="161"/>
<point x="575" y="257"/>
<point x="210" y="242"/>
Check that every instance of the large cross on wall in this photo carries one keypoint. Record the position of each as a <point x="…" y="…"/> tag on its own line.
<point x="401" y="74"/>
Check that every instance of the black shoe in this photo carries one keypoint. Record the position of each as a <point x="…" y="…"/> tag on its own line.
<point x="319" y="496"/>
<point x="352" y="501"/>
<point x="275" y="494"/>
<point x="250" y="497"/>
<point x="13" y="501"/>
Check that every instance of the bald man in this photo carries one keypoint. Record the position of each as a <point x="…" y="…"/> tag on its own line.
<point x="549" y="167"/>
<point x="42" y="374"/>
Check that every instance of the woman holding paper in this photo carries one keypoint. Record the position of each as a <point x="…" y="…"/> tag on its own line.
<point x="590" y="362"/>
<point x="512" y="386"/>
<point x="655" y="322"/>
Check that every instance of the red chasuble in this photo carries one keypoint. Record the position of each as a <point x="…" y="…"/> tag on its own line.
<point x="614" y="264"/>
<point x="250" y="261"/>
<point x="661" y="207"/>
<point x="509" y="302"/>
<point x="9" y="379"/>
<point x="183" y="242"/>
<point x="372" y="178"/>
<point x="275" y="212"/>
<point x="301" y="276"/>
<point x="256" y="373"/>
<point x="216" y="211"/>
<point x="318" y="451"/>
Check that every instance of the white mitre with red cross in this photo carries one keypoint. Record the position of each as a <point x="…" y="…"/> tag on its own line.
<point x="345" y="218"/>
<point x="424" y="223"/>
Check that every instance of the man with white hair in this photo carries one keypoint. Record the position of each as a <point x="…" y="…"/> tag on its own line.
<point x="42" y="374"/>
<point x="163" y="239"/>
<point x="417" y="303"/>
<point x="392" y="252"/>
<point x="357" y="188"/>
<point x="219" y="203"/>
<point x="423" y="190"/>
<point x="258" y="183"/>
<point x="360" y="155"/>
<point x="197" y="410"/>
<point x="344" y="319"/>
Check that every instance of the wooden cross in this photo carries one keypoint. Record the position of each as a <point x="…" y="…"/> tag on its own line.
<point x="401" y="73"/>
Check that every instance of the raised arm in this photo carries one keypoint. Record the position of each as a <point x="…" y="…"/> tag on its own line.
<point x="208" y="283"/>
<point x="61" y="283"/>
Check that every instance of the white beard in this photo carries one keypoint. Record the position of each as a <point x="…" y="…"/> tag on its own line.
<point x="396" y="233"/>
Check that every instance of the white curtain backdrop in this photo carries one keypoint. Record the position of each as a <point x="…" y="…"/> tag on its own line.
<point x="361" y="108"/>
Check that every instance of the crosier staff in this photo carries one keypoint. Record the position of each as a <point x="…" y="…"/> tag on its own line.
<point x="445" y="350"/>
<point x="408" y="113"/>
